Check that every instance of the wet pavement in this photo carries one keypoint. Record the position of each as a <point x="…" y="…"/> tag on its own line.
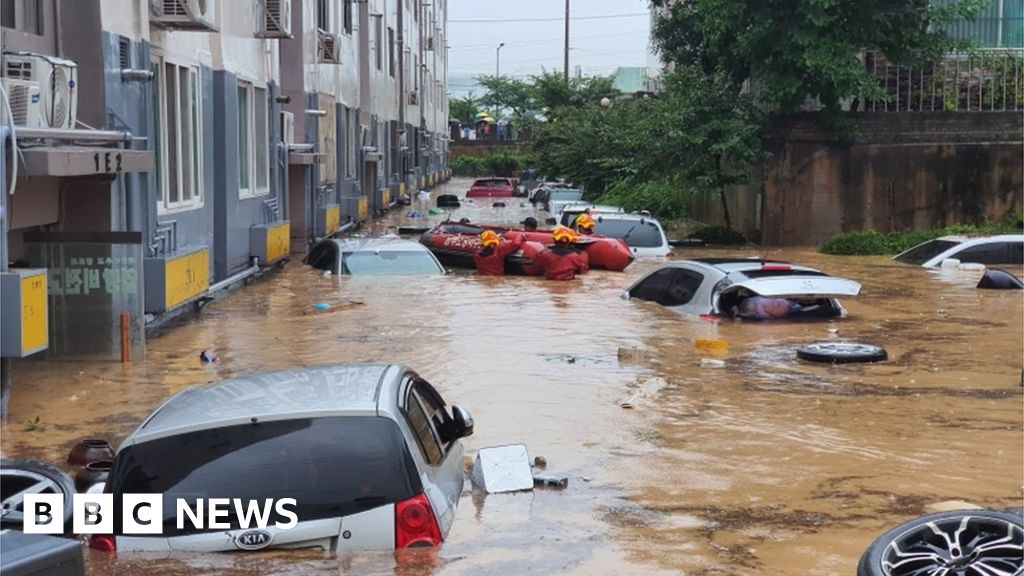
<point x="763" y="464"/>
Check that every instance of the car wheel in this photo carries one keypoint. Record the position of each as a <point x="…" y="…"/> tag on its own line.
<point x="841" y="352"/>
<point x="960" y="543"/>
<point x="21" y="477"/>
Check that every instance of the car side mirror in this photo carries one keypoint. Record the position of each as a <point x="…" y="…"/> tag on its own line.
<point x="463" y="422"/>
<point x="624" y="295"/>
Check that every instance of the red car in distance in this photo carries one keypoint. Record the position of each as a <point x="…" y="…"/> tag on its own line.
<point x="492" y="188"/>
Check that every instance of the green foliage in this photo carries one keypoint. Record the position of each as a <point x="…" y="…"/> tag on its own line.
<point x="542" y="96"/>
<point x="698" y="137"/>
<point x="719" y="235"/>
<point x="463" y="109"/>
<point x="34" y="425"/>
<point x="661" y="197"/>
<point x="507" y="163"/>
<point x="871" y="242"/>
<point x="506" y="93"/>
<point x="800" y="50"/>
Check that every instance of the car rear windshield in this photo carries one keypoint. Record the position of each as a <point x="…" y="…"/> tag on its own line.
<point x="492" y="183"/>
<point x="389" y="263"/>
<point x="636" y="233"/>
<point x="773" y="272"/>
<point x="332" y="467"/>
<point x="565" y="194"/>
<point x="924" y="252"/>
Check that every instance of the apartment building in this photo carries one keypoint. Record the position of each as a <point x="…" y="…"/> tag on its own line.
<point x="167" y="148"/>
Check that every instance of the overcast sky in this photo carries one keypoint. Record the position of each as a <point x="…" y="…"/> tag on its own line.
<point x="532" y="31"/>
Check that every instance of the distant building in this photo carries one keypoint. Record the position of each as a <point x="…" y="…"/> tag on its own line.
<point x="630" y="79"/>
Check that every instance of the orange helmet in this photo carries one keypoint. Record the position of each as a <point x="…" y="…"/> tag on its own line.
<point x="585" y="222"/>
<point x="489" y="239"/>
<point x="564" y="235"/>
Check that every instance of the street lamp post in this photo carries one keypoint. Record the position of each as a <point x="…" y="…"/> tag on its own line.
<point x="497" y="73"/>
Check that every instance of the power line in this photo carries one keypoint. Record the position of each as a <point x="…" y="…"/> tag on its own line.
<point x="546" y="19"/>
<point x="549" y="40"/>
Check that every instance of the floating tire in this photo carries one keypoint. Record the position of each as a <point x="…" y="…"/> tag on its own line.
<point x="958" y="543"/>
<point x="448" y="201"/>
<point x="21" y="477"/>
<point x="841" y="352"/>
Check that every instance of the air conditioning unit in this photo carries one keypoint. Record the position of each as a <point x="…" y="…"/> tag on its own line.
<point x="44" y="88"/>
<point x="414" y="97"/>
<point x="288" y="128"/>
<point x="184" y="14"/>
<point x="328" y="48"/>
<point x="273" y="18"/>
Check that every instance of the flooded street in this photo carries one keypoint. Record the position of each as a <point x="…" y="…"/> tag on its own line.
<point x="762" y="464"/>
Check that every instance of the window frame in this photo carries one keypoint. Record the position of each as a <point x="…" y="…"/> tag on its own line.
<point x="323" y="7"/>
<point x="391" y="52"/>
<point x="379" y="44"/>
<point x="254" y="146"/>
<point x="19" y="9"/>
<point x="164" y="134"/>
<point x="347" y="17"/>
<point x="415" y="392"/>
<point x="352" y="142"/>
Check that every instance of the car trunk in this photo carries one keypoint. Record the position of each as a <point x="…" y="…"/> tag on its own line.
<point x="815" y="291"/>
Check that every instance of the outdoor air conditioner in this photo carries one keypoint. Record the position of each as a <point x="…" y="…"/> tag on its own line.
<point x="328" y="49"/>
<point x="43" y="88"/>
<point x="273" y="18"/>
<point x="288" y="128"/>
<point x="183" y="14"/>
<point x="414" y="97"/>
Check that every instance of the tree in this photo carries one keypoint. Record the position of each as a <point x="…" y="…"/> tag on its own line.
<point x="551" y="92"/>
<point x="699" y="137"/>
<point x="800" y="50"/>
<point x="506" y="93"/>
<point x="463" y="109"/>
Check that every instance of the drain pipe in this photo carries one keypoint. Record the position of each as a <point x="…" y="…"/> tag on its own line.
<point x="254" y="268"/>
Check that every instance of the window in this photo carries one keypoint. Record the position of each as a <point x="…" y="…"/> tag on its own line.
<point x="22" y="15"/>
<point x="379" y="42"/>
<point x="420" y="423"/>
<point x="347" y="7"/>
<point x="351" y="143"/>
<point x="178" y="135"/>
<point x="653" y="287"/>
<point x="681" y="288"/>
<point x="389" y="263"/>
<point x="430" y="422"/>
<point x="324" y="256"/>
<point x="923" y="252"/>
<point x="636" y="233"/>
<point x="253" y="141"/>
<point x="391" y="52"/>
<point x="993" y="253"/>
<point x="323" y="15"/>
<point x="299" y="458"/>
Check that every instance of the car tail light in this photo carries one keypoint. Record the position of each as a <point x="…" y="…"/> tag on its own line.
<point x="103" y="543"/>
<point x="776" y="267"/>
<point x="415" y="524"/>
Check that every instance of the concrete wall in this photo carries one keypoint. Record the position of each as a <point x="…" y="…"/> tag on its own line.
<point x="904" y="171"/>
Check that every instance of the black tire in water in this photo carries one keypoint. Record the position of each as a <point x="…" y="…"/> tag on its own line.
<point x="959" y="543"/>
<point x="448" y="201"/>
<point x="20" y="477"/>
<point x="841" y="352"/>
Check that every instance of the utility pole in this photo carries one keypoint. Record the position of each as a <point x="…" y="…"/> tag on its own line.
<point x="565" y="66"/>
<point x="497" y="74"/>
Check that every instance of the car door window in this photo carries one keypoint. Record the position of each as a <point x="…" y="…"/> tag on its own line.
<point x="653" y="287"/>
<point x="993" y="253"/>
<point x="429" y="420"/>
<point x="682" y="287"/>
<point x="323" y="257"/>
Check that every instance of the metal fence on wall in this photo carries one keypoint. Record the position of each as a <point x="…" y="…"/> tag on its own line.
<point x="986" y="81"/>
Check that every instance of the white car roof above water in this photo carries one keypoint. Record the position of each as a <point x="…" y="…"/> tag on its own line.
<point x="302" y="392"/>
<point x="381" y="244"/>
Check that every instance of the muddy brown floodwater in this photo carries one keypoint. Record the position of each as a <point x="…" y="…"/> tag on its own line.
<point x="764" y="465"/>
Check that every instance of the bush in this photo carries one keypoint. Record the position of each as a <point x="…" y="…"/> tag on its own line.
<point x="719" y="234"/>
<point x="507" y="163"/>
<point x="871" y="242"/>
<point x="467" y="166"/>
<point x="659" y="197"/>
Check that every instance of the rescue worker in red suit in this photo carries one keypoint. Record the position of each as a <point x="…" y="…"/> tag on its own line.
<point x="490" y="261"/>
<point x="561" y="262"/>
<point x="585" y="224"/>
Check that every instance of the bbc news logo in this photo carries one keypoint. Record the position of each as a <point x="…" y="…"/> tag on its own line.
<point x="144" y="514"/>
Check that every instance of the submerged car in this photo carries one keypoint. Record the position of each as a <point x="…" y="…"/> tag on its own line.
<point x="718" y="286"/>
<point x="641" y="232"/>
<point x="373" y="257"/>
<point x="1002" y="249"/>
<point x="369" y="453"/>
<point x="492" y="188"/>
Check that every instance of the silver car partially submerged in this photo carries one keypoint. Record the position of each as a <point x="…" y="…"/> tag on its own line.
<point x="369" y="452"/>
<point x="717" y="286"/>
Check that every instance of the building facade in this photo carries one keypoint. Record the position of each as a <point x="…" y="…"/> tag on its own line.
<point x="218" y="136"/>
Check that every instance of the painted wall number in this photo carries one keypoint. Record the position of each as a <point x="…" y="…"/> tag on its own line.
<point x="108" y="162"/>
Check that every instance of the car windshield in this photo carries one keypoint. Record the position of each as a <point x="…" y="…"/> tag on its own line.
<point x="565" y="194"/>
<point x="389" y="263"/>
<point x="636" y="233"/>
<point x="332" y="467"/>
<point x="491" y="183"/>
<point x="926" y="251"/>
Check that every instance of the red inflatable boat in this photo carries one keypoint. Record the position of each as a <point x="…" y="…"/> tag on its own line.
<point x="454" y="245"/>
